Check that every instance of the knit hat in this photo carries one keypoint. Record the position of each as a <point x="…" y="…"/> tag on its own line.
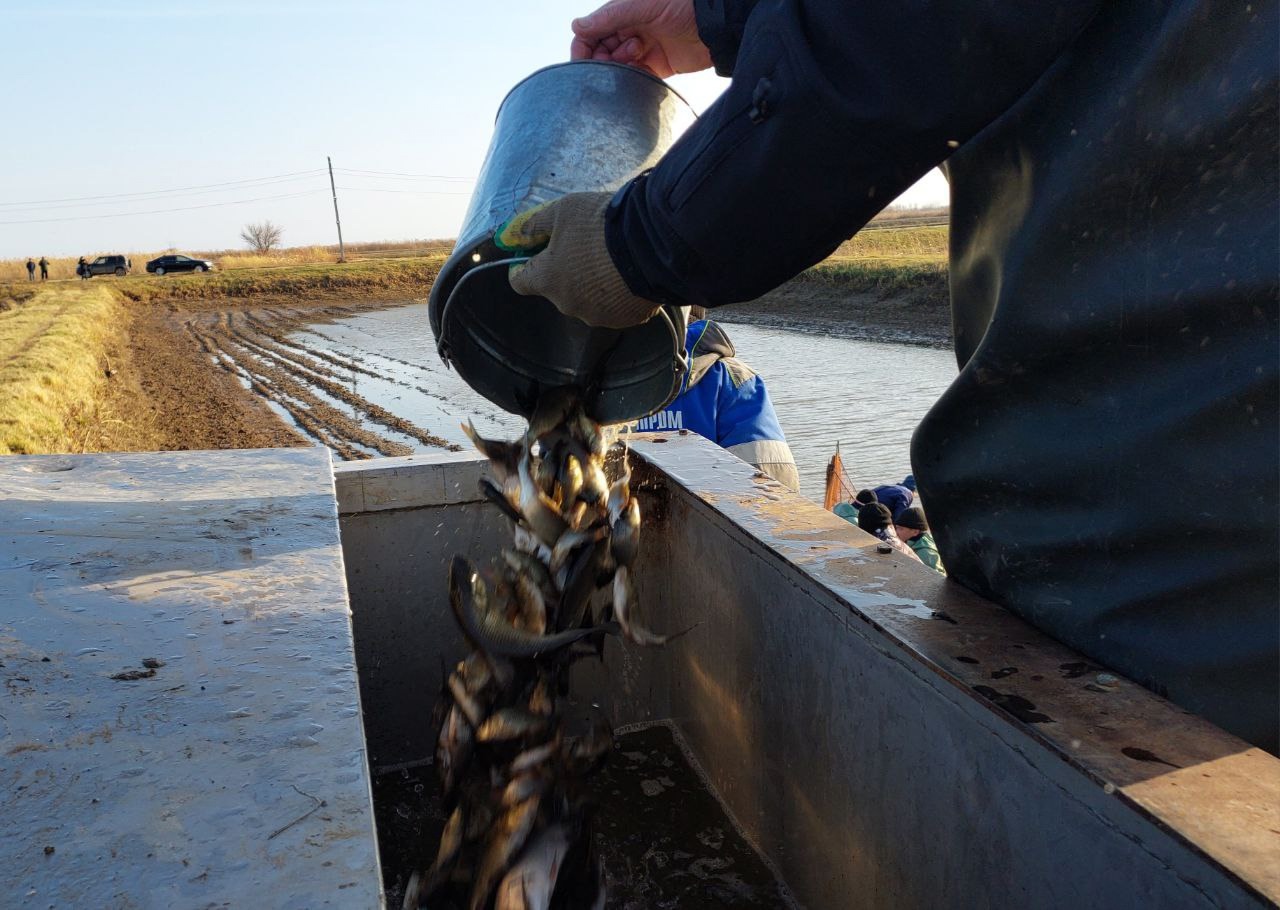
<point x="912" y="517"/>
<point x="865" y="496"/>
<point x="910" y="482"/>
<point x="874" y="517"/>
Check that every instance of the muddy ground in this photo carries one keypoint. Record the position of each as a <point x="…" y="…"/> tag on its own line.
<point x="221" y="374"/>
<point x="921" y="317"/>
<point x="205" y="376"/>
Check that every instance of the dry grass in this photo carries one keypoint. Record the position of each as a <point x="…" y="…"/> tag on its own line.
<point x="888" y="260"/>
<point x="64" y="267"/>
<point x="52" y="352"/>
<point x="390" y="278"/>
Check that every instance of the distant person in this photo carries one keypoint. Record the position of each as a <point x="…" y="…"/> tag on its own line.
<point x="82" y="269"/>
<point x="849" y="510"/>
<point x="875" y="519"/>
<point x="44" y="269"/>
<point x="895" y="497"/>
<point x="31" y="270"/>
<point x="913" y="529"/>
<point x="725" y="401"/>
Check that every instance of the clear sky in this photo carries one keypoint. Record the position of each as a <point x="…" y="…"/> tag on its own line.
<point x="127" y="99"/>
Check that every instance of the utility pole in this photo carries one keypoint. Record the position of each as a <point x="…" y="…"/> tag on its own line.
<point x="342" y="252"/>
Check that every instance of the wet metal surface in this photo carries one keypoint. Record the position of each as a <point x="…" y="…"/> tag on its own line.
<point x="179" y="722"/>
<point x="859" y="716"/>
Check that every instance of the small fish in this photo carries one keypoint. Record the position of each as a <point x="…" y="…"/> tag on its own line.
<point x="622" y="597"/>
<point x="465" y="701"/>
<point x="540" y="699"/>
<point x="489" y="490"/>
<point x="526" y="543"/>
<point x="553" y="410"/>
<point x="580" y="582"/>
<point x="595" y="486"/>
<point x="624" y="545"/>
<point x="453" y="747"/>
<point x="505" y="843"/>
<point x="503" y="456"/>
<point x="540" y="513"/>
<point x="571" y="540"/>
<point x="587" y="430"/>
<point x="451" y="839"/>
<point x="620" y="492"/>
<point x="531" y="605"/>
<point x="529" y="884"/>
<point x="412" y="893"/>
<point x="545" y="475"/>
<point x="570" y="481"/>
<point x="476" y="672"/>
<point x="532" y="758"/>
<point x="494" y="635"/>
<point x="530" y="565"/>
<point x="508" y="724"/>
<point x="523" y="787"/>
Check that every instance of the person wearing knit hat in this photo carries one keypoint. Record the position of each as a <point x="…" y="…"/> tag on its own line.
<point x="876" y="519"/>
<point x="913" y="530"/>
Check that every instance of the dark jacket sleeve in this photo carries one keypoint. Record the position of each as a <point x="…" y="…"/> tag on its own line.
<point x="835" y="108"/>
<point x="720" y="26"/>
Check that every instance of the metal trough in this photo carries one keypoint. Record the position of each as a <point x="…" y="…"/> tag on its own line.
<point x="881" y="737"/>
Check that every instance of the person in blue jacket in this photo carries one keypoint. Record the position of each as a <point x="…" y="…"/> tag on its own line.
<point x="725" y="401"/>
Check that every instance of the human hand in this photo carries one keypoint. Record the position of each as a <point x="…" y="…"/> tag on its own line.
<point x="660" y="36"/>
<point x="572" y="267"/>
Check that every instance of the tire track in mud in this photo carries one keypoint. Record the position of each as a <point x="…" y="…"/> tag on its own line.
<point x="281" y="338"/>
<point x="312" y="375"/>
<point x="253" y="346"/>
<point x="317" y="419"/>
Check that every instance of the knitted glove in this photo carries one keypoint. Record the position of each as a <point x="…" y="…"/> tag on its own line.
<point x="573" y="270"/>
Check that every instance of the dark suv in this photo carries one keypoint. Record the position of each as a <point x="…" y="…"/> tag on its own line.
<point x="176" y="262"/>
<point x="109" y="265"/>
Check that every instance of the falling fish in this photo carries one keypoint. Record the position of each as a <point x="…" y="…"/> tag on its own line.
<point x="510" y="723"/>
<point x="494" y="635"/>
<point x="529" y="884"/>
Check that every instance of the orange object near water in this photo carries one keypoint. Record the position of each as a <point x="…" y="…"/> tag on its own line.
<point x="838" y="486"/>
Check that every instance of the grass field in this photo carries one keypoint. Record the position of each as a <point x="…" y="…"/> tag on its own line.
<point x="52" y="365"/>
<point x="888" y="259"/>
<point x="64" y="267"/>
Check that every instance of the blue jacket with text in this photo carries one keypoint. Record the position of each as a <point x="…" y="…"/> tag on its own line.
<point x="725" y="401"/>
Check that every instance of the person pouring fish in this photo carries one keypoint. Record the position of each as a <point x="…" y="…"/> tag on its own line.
<point x="1113" y="285"/>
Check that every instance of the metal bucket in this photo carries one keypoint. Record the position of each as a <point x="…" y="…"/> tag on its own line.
<point x="573" y="127"/>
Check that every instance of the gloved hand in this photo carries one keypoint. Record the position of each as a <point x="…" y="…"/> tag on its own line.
<point x="573" y="270"/>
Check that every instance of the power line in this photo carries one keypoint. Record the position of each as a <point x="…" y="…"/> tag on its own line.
<point x="180" y="189"/>
<point x="188" y="208"/>
<point x="359" y="172"/>
<point x="375" y="189"/>
<point x="115" y="201"/>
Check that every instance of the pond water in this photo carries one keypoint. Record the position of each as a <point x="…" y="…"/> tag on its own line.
<point x="867" y="396"/>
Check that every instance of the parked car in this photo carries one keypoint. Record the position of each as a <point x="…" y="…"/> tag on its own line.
<point x="176" y="262"/>
<point x="109" y="265"/>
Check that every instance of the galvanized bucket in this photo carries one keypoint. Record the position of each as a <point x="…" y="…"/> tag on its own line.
<point x="572" y="127"/>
